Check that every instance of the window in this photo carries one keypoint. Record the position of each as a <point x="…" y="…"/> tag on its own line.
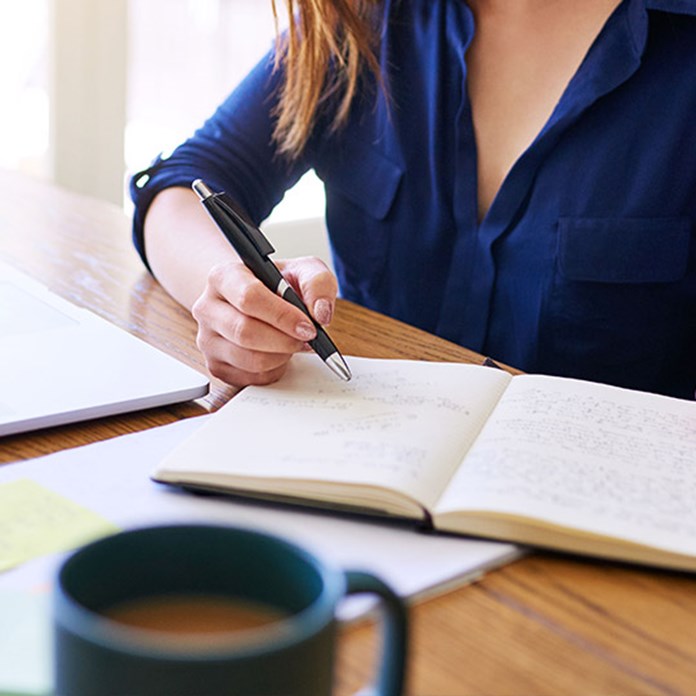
<point x="24" y="121"/>
<point x="185" y="56"/>
<point x="181" y="57"/>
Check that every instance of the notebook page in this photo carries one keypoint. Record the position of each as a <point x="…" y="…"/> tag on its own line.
<point x="398" y="424"/>
<point x="590" y="456"/>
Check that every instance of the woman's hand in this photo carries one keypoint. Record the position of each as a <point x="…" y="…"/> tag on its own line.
<point x="247" y="333"/>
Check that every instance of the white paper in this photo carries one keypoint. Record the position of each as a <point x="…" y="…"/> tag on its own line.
<point x="113" y="479"/>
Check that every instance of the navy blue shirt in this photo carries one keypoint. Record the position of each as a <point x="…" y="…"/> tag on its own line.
<point x="585" y="263"/>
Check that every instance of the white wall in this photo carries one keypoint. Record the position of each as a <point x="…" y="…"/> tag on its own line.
<point x="87" y="74"/>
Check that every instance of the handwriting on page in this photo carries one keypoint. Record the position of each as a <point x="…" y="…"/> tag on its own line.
<point x="375" y="423"/>
<point x="35" y="521"/>
<point x="617" y="456"/>
<point x="402" y="424"/>
<point x="590" y="425"/>
<point x="393" y="387"/>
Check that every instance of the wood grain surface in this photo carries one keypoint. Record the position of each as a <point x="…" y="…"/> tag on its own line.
<point x="547" y="624"/>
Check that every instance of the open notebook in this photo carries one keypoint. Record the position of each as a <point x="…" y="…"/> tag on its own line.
<point x="60" y="363"/>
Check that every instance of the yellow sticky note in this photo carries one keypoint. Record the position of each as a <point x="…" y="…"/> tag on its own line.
<point x="35" y="521"/>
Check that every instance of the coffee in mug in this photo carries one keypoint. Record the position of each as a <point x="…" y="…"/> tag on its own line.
<point x="202" y="610"/>
<point x="194" y="616"/>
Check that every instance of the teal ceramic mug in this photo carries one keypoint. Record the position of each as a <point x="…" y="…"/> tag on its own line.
<point x="274" y="603"/>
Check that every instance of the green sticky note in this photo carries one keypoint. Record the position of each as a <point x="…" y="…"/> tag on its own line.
<point x="35" y="521"/>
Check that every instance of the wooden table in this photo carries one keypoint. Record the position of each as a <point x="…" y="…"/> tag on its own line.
<point x="547" y="624"/>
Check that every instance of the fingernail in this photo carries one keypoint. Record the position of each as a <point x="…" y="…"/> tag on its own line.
<point x="322" y="311"/>
<point x="305" y="331"/>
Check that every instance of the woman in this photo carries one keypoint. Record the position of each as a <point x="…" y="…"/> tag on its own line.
<point x="518" y="177"/>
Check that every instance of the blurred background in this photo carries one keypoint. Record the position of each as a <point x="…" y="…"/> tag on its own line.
<point x="92" y="90"/>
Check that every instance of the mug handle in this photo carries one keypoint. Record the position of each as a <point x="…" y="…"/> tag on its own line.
<point x="392" y="671"/>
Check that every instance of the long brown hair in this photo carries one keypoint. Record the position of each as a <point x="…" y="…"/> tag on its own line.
<point x="322" y="33"/>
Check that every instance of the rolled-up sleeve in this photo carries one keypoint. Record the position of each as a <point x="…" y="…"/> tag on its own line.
<point x="233" y="151"/>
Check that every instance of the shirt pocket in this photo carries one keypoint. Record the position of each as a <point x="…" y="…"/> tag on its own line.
<point x="625" y="250"/>
<point x="619" y="303"/>
<point x="362" y="186"/>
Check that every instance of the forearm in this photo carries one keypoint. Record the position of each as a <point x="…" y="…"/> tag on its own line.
<point x="183" y="244"/>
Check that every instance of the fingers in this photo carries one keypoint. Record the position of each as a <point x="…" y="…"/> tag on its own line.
<point x="247" y="333"/>
<point x="240" y="368"/>
<point x="235" y="284"/>
<point x="315" y="283"/>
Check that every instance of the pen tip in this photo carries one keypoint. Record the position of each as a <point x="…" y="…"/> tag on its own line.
<point x="339" y="366"/>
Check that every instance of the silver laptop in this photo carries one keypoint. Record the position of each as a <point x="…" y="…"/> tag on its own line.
<point x="60" y="363"/>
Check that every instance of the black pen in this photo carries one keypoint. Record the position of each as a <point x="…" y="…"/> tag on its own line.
<point x="253" y="249"/>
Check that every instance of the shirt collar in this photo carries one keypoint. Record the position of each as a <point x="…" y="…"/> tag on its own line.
<point x="687" y="7"/>
<point x="614" y="56"/>
<point x="636" y="26"/>
<point x="637" y="23"/>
